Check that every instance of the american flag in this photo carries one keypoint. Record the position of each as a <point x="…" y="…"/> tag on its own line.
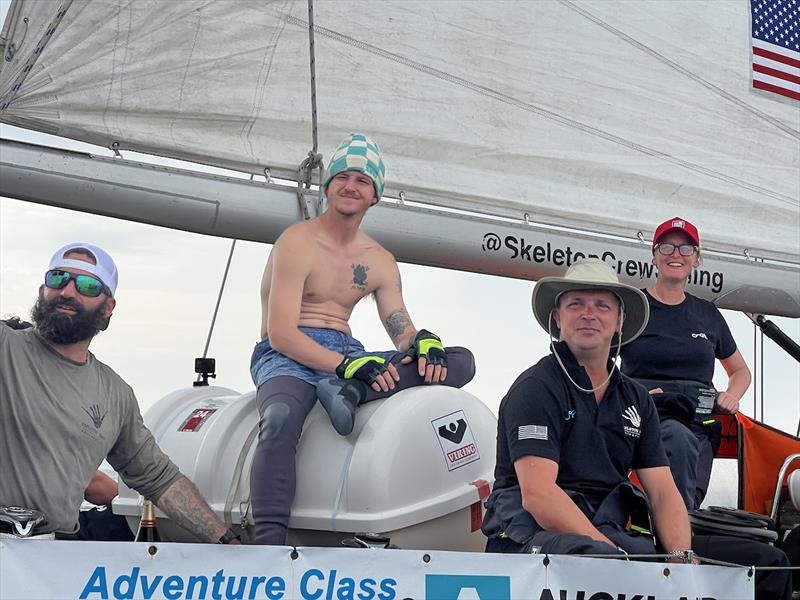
<point x="776" y="46"/>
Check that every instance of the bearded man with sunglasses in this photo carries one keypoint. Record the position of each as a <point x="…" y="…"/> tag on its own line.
<point x="62" y="411"/>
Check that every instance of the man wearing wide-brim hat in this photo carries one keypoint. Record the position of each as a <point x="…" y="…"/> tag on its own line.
<point x="572" y="427"/>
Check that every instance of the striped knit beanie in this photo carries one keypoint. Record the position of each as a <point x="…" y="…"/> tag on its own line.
<point x="358" y="153"/>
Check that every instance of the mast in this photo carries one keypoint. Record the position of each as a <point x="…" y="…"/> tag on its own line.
<point x="425" y="235"/>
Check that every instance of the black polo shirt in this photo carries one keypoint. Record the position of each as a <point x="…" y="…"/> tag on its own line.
<point x="595" y="445"/>
<point x="680" y="341"/>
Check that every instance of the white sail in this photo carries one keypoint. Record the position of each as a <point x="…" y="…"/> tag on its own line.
<point x="608" y="116"/>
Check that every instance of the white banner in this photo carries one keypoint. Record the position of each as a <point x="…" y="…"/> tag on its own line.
<point x="31" y="569"/>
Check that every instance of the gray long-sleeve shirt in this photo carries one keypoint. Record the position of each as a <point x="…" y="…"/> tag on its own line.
<point x="58" y="421"/>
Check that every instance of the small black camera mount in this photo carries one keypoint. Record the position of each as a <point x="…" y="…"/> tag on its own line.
<point x="205" y="368"/>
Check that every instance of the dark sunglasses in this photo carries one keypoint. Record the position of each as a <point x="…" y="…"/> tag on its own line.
<point x="87" y="285"/>
<point x="685" y="249"/>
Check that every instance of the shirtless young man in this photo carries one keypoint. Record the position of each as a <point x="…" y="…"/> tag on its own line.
<point x="317" y="272"/>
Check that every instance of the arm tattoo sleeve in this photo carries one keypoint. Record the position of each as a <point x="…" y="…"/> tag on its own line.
<point x="397" y="322"/>
<point x="184" y="504"/>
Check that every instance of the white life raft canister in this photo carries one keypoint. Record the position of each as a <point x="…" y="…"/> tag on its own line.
<point x="416" y="467"/>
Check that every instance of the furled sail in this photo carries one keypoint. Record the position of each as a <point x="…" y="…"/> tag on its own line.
<point x="605" y="115"/>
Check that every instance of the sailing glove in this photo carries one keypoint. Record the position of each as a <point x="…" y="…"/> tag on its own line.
<point x="428" y="345"/>
<point x="364" y="368"/>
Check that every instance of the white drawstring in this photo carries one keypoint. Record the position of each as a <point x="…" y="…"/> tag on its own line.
<point x="616" y="358"/>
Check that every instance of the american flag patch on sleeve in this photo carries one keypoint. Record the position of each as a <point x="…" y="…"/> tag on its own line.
<point x="532" y="432"/>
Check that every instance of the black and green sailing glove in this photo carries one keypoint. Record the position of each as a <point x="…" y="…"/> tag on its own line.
<point x="429" y="346"/>
<point x="364" y="368"/>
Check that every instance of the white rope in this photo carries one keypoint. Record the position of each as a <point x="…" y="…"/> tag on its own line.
<point x="564" y="369"/>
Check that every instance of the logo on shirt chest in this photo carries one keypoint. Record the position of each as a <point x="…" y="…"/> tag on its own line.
<point x="96" y="415"/>
<point x="631" y="414"/>
<point x="699" y="335"/>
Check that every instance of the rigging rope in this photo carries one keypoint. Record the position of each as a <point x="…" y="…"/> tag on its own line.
<point x="313" y="76"/>
<point x="314" y="158"/>
<point x="755" y="371"/>
<point x="761" y="369"/>
<point x="759" y="374"/>
<point x="219" y="299"/>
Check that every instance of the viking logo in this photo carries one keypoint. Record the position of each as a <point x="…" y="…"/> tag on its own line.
<point x="454" y="431"/>
<point x="94" y="414"/>
<point x="633" y="416"/>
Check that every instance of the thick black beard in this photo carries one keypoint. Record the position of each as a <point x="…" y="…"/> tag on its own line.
<point x="59" y="328"/>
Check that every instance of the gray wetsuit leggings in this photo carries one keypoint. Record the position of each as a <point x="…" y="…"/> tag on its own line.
<point x="283" y="405"/>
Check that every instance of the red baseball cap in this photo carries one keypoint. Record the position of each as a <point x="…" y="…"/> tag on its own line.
<point x="675" y="224"/>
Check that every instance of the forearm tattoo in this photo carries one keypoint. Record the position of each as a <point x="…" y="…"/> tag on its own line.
<point x="184" y="504"/>
<point x="397" y="322"/>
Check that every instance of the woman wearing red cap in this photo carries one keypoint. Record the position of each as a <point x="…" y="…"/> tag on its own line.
<point x="675" y="358"/>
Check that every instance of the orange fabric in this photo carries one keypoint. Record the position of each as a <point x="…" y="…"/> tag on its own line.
<point x="763" y="450"/>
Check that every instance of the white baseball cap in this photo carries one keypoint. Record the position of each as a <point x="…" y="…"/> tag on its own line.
<point x="104" y="269"/>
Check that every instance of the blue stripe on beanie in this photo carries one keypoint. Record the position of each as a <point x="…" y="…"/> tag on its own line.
<point x="358" y="153"/>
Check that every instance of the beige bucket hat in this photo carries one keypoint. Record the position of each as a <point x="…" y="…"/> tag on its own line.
<point x="590" y="274"/>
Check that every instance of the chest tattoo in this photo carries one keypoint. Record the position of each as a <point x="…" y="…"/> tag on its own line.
<point x="360" y="277"/>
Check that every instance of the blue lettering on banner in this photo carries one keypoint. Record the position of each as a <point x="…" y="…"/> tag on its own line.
<point x="97" y="584"/>
<point x="387" y="589"/>
<point x="467" y="587"/>
<point x="316" y="585"/>
<point x="199" y="587"/>
<point x="367" y="586"/>
<point x="305" y="590"/>
<point x="128" y="582"/>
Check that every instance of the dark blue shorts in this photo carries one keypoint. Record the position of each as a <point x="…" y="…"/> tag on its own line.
<point x="267" y="362"/>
